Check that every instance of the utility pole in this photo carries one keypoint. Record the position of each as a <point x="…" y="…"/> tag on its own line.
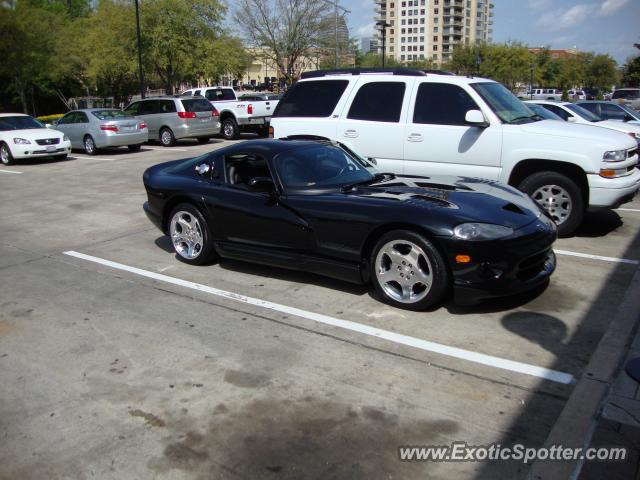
<point x="141" y="74"/>
<point x="383" y="27"/>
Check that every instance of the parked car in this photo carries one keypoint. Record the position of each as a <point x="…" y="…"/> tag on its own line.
<point x="238" y="114"/>
<point x="95" y="128"/>
<point x="543" y="113"/>
<point x="24" y="137"/>
<point x="573" y="113"/>
<point x="576" y="94"/>
<point x="612" y="111"/>
<point x="545" y="94"/>
<point x="318" y="207"/>
<point x="428" y="124"/>
<point x="173" y="118"/>
<point x="627" y="96"/>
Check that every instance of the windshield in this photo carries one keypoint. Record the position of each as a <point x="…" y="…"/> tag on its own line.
<point x="583" y="112"/>
<point x="543" y="112"/>
<point x="504" y="103"/>
<point x="19" y="123"/>
<point x="630" y="111"/>
<point x="110" y="114"/>
<point x="320" y="167"/>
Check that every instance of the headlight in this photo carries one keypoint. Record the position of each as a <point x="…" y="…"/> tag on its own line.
<point x="481" y="231"/>
<point x="615" y="156"/>
<point x="21" y="141"/>
<point x="65" y="138"/>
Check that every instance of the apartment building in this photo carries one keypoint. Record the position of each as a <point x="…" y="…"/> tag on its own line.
<point x="429" y="29"/>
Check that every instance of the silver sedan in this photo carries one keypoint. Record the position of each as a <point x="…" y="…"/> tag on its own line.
<point x="95" y="128"/>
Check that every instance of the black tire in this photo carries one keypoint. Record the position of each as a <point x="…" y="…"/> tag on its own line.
<point x="229" y="129"/>
<point x="542" y="186"/>
<point x="5" y="154"/>
<point x="167" y="139"/>
<point x="207" y="252"/>
<point x="89" y="145"/>
<point x="430" y="266"/>
<point x="203" y="140"/>
<point x="134" y="148"/>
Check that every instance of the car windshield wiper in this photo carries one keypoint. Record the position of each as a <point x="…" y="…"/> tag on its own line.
<point x="517" y="119"/>
<point x="376" y="178"/>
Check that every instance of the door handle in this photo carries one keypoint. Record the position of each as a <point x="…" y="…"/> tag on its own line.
<point x="415" y="137"/>
<point x="351" y="133"/>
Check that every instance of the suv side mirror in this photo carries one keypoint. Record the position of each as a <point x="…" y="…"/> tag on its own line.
<point x="476" y="119"/>
<point x="262" y="184"/>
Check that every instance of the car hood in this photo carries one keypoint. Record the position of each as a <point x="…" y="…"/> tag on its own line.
<point x="33" y="133"/>
<point x="620" y="126"/>
<point x="590" y="132"/>
<point x="470" y="199"/>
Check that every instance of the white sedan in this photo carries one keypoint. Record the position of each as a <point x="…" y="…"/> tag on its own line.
<point x="570" y="112"/>
<point x="23" y="137"/>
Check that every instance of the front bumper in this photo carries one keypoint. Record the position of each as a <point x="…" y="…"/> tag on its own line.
<point x="502" y="267"/>
<point x="33" y="150"/>
<point x="611" y="192"/>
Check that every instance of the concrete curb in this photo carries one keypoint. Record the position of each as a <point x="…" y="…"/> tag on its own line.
<point x="577" y="420"/>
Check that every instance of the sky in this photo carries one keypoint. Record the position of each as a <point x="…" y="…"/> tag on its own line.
<point x="602" y="26"/>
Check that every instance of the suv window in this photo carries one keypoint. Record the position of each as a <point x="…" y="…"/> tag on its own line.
<point x="378" y="102"/>
<point x="442" y="104"/>
<point x="196" y="105"/>
<point x="631" y="94"/>
<point x="148" y="107"/>
<point x="241" y="167"/>
<point x="218" y="94"/>
<point x="167" y="106"/>
<point x="311" y="99"/>
<point x="133" y="108"/>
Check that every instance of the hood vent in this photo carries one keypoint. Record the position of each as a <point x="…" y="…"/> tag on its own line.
<point x="511" y="207"/>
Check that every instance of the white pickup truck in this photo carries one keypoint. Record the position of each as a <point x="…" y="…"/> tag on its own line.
<point x="432" y="124"/>
<point x="237" y="114"/>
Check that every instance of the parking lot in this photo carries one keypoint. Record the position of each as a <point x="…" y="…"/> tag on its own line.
<point x="118" y="361"/>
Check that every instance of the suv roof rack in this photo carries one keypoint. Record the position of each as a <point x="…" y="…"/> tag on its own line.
<point x="357" y="71"/>
<point x="438" y="72"/>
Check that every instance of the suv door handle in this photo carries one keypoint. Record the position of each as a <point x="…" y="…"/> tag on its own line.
<point x="351" y="133"/>
<point x="415" y="137"/>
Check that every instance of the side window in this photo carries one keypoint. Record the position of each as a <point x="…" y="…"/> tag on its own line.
<point x="592" y="107"/>
<point x="611" y="112"/>
<point x="81" y="117"/>
<point x="67" y="119"/>
<point x="561" y="112"/>
<point x="442" y="104"/>
<point x="148" y="107"/>
<point x="197" y="92"/>
<point x="241" y="167"/>
<point x="167" y="106"/>
<point x="133" y="108"/>
<point x="311" y="99"/>
<point x="210" y="95"/>
<point x="227" y="94"/>
<point x="378" y="102"/>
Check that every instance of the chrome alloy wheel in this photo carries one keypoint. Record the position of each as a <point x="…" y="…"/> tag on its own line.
<point x="186" y="235"/>
<point x="228" y="129"/>
<point x="166" y="137"/>
<point x="404" y="271"/>
<point x="555" y="200"/>
<point x="89" y="145"/>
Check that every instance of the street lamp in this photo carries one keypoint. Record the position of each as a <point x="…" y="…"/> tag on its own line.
<point x="141" y="74"/>
<point x="383" y="27"/>
<point x="531" y="83"/>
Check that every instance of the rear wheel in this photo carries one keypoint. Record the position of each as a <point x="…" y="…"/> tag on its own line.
<point x="190" y="235"/>
<point x="134" y="148"/>
<point x="203" y="140"/>
<point x="408" y="271"/>
<point x="5" y="154"/>
<point x="167" y="138"/>
<point x="230" y="130"/>
<point x="89" y="145"/>
<point x="559" y="196"/>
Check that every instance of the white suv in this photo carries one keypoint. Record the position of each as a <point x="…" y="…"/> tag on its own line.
<point x="426" y="124"/>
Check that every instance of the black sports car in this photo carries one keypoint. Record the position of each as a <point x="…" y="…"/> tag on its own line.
<point x="319" y="207"/>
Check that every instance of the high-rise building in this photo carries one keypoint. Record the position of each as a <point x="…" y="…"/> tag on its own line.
<point x="429" y="29"/>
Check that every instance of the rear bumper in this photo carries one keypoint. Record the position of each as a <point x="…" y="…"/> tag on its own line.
<point x="194" y="131"/>
<point x="33" y="150"/>
<point x="612" y="192"/>
<point x="121" y="139"/>
<point x="254" y="121"/>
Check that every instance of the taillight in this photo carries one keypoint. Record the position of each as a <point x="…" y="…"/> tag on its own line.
<point x="249" y="109"/>
<point x="110" y="128"/>
<point x="142" y="125"/>
<point x="215" y="113"/>
<point x="187" y="114"/>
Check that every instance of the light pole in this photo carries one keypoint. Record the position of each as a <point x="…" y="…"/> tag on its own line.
<point x="383" y="27"/>
<point x="141" y="74"/>
<point x="531" y="84"/>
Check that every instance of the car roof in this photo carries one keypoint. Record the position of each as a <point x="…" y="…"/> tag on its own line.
<point x="275" y="146"/>
<point x="14" y="115"/>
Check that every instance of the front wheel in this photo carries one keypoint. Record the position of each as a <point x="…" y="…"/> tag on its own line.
<point x="167" y="138"/>
<point x="190" y="235"/>
<point x="408" y="271"/>
<point x="559" y="196"/>
<point x="5" y="154"/>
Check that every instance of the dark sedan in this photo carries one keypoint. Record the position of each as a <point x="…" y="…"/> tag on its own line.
<point x="318" y="207"/>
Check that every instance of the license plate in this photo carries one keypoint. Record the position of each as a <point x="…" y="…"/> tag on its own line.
<point x="205" y="120"/>
<point x="51" y="148"/>
<point x="258" y="121"/>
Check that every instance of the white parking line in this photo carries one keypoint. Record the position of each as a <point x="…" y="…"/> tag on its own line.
<point x="596" y="257"/>
<point x="488" y="360"/>
<point x="95" y="158"/>
<point x="628" y="209"/>
<point x="166" y="149"/>
<point x="10" y="171"/>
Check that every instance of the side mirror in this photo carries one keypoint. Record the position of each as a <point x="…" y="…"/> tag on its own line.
<point x="476" y="119"/>
<point x="628" y="118"/>
<point x="262" y="184"/>
<point x="373" y="160"/>
<point x="571" y="119"/>
<point x="204" y="169"/>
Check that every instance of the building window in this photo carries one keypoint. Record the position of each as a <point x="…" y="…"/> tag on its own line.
<point x="435" y="29"/>
<point x="436" y="11"/>
<point x="402" y="57"/>
<point x="435" y="38"/>
<point x="422" y="48"/>
<point x="435" y="48"/>
<point x="391" y="48"/>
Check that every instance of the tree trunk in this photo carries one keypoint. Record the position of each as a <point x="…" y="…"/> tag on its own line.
<point x="23" y="96"/>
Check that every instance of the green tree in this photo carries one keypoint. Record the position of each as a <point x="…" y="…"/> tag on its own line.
<point x="601" y="72"/>
<point x="631" y="70"/>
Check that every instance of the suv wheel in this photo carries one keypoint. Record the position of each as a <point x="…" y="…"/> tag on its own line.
<point x="559" y="196"/>
<point x="408" y="271"/>
<point x="166" y="138"/>
<point x="230" y="130"/>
